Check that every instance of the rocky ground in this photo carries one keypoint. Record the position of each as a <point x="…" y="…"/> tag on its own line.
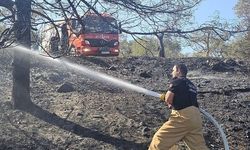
<point x="74" y="111"/>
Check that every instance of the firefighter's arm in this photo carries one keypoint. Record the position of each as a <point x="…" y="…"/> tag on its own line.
<point x="169" y="97"/>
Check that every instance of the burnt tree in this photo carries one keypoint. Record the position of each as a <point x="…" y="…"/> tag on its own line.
<point x="21" y="64"/>
<point x="161" y="44"/>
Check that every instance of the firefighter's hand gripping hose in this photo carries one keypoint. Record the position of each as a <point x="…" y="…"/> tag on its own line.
<point x="211" y="119"/>
<point x="162" y="96"/>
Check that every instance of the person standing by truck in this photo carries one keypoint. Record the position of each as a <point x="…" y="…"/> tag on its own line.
<point x="185" y="121"/>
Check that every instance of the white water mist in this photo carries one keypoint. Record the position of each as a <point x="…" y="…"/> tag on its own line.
<point x="91" y="73"/>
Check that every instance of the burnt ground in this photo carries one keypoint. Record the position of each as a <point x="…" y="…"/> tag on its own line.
<point x="73" y="111"/>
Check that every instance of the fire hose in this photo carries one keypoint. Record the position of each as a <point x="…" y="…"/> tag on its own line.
<point x="214" y="122"/>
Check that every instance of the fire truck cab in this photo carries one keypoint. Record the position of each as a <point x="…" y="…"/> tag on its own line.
<point x="94" y="35"/>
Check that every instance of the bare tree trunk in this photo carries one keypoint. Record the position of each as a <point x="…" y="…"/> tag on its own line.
<point x="161" y="47"/>
<point x="21" y="65"/>
<point x="208" y="45"/>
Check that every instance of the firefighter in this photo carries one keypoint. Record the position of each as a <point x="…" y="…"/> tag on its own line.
<point x="185" y="121"/>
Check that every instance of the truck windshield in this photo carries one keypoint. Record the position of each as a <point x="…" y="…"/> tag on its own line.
<point x="95" y="24"/>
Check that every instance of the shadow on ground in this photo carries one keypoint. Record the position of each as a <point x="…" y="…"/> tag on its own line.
<point x="53" y="119"/>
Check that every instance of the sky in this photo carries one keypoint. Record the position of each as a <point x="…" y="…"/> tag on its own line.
<point x="208" y="8"/>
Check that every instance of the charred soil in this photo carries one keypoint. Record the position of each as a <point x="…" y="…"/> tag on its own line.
<point x="73" y="111"/>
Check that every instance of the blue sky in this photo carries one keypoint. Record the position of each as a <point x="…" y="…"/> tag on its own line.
<point x="208" y="8"/>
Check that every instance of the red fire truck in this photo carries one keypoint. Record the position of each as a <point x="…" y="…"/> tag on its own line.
<point x="93" y="35"/>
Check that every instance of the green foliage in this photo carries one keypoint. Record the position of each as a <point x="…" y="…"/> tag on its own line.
<point x="124" y="47"/>
<point x="239" y="48"/>
<point x="138" y="48"/>
<point x="242" y="10"/>
<point x="208" y="43"/>
<point x="172" y="48"/>
<point x="149" y="46"/>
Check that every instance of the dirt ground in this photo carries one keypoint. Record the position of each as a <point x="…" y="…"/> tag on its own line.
<point x="74" y="111"/>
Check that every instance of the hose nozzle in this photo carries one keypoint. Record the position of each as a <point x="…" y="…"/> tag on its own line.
<point x="162" y="96"/>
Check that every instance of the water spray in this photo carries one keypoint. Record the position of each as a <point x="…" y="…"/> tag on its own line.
<point x="105" y="78"/>
<point x="119" y="83"/>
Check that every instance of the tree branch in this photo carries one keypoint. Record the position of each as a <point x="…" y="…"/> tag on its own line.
<point x="7" y="4"/>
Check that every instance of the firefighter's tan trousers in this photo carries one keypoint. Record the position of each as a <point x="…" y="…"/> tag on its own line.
<point x="186" y="125"/>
